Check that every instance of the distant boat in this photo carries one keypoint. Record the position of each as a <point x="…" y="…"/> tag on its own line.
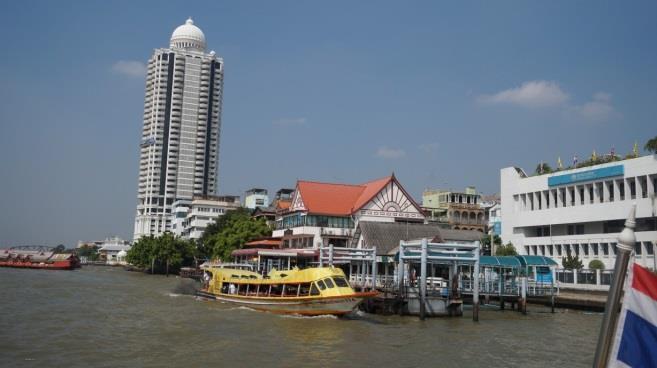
<point x="307" y="292"/>
<point x="37" y="257"/>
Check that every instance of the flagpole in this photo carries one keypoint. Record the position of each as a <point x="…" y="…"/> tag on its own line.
<point x="625" y="246"/>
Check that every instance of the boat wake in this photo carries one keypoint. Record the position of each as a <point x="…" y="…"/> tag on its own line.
<point x="298" y="316"/>
<point x="242" y="308"/>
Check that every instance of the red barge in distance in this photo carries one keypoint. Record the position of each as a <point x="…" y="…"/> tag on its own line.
<point x="37" y="257"/>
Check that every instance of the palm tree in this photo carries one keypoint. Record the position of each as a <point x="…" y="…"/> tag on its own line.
<point x="651" y="145"/>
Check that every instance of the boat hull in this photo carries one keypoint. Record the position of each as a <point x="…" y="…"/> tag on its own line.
<point x="57" y="265"/>
<point x="338" y="305"/>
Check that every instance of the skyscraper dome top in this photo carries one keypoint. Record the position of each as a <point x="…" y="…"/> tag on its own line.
<point x="188" y="37"/>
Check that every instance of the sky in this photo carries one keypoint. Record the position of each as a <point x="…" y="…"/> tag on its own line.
<point x="443" y="94"/>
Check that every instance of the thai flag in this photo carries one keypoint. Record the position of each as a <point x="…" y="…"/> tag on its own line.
<point x="635" y="343"/>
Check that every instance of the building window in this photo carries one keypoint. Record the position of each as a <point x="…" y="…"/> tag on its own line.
<point x="649" y="250"/>
<point x="550" y="250"/>
<point x="605" y="249"/>
<point x="559" y="250"/>
<point x="637" y="248"/>
<point x="595" y="249"/>
<point x="621" y="190"/>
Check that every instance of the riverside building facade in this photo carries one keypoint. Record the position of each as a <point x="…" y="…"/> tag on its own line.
<point x="580" y="212"/>
<point x="179" y="150"/>
<point x="191" y="218"/>
<point x="329" y="213"/>
<point x="460" y="210"/>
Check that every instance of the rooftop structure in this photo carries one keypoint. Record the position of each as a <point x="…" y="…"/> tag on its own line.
<point x="256" y="197"/>
<point x="461" y="210"/>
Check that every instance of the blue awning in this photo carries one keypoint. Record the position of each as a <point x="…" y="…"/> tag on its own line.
<point x="500" y="261"/>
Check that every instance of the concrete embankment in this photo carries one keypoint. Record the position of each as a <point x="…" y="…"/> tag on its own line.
<point x="589" y="300"/>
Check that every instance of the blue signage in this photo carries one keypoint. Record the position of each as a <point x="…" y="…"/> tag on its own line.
<point x="545" y="278"/>
<point x="605" y="172"/>
<point x="497" y="228"/>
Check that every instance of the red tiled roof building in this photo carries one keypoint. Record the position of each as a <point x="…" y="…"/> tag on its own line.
<point x="328" y="213"/>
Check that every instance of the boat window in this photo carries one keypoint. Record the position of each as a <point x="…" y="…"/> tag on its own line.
<point x="276" y="290"/>
<point x="253" y="289"/>
<point x="304" y="289"/>
<point x="291" y="289"/>
<point x="329" y="283"/>
<point x="314" y="290"/>
<point x="340" y="282"/>
<point x="321" y="284"/>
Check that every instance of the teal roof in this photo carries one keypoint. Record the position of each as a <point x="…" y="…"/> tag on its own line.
<point x="516" y="261"/>
<point x="536" y="261"/>
<point x="499" y="261"/>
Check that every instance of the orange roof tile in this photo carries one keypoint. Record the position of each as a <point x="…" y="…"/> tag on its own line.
<point x="338" y="199"/>
<point x="372" y="188"/>
<point x="283" y="205"/>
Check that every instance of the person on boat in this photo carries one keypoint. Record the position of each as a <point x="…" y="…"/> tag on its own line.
<point x="206" y="279"/>
<point x="231" y="289"/>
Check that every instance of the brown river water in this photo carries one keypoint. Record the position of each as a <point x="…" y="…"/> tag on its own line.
<point x="108" y="317"/>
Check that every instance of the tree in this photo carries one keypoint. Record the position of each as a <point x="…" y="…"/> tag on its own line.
<point x="485" y="242"/>
<point x="506" y="250"/>
<point x="596" y="264"/>
<point x="59" y="249"/>
<point x="651" y="145"/>
<point x="161" y="254"/>
<point x="572" y="263"/>
<point x="142" y="252"/>
<point x="231" y="231"/>
<point x="542" y="168"/>
<point x="91" y="253"/>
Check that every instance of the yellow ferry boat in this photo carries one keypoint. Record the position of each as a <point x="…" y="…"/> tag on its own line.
<point x="308" y="292"/>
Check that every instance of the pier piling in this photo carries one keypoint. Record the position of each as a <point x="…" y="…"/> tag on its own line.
<point x="475" y="287"/>
<point x="523" y="295"/>
<point x="423" y="279"/>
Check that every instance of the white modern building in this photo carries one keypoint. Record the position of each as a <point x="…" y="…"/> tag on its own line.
<point x="191" y="218"/>
<point x="181" y="128"/>
<point x="581" y="211"/>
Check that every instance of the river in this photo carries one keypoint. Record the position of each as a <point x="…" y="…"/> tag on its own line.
<point x="107" y="317"/>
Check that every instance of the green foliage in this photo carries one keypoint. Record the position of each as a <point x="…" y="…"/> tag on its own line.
<point x="90" y="252"/>
<point x="543" y="168"/>
<point x="506" y="250"/>
<point x="230" y="232"/>
<point x="164" y="253"/>
<point x="596" y="264"/>
<point x="572" y="263"/>
<point x="651" y="145"/>
<point x="485" y="243"/>
<point x="60" y="248"/>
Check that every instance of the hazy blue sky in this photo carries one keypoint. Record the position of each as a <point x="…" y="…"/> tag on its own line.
<point x="443" y="94"/>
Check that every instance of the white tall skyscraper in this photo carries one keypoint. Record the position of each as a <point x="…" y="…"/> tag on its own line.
<point x="182" y="125"/>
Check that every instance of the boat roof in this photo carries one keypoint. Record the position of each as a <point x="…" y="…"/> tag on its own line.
<point x="294" y="275"/>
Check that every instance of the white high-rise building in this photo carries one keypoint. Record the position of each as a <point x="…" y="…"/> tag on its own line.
<point x="182" y="124"/>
